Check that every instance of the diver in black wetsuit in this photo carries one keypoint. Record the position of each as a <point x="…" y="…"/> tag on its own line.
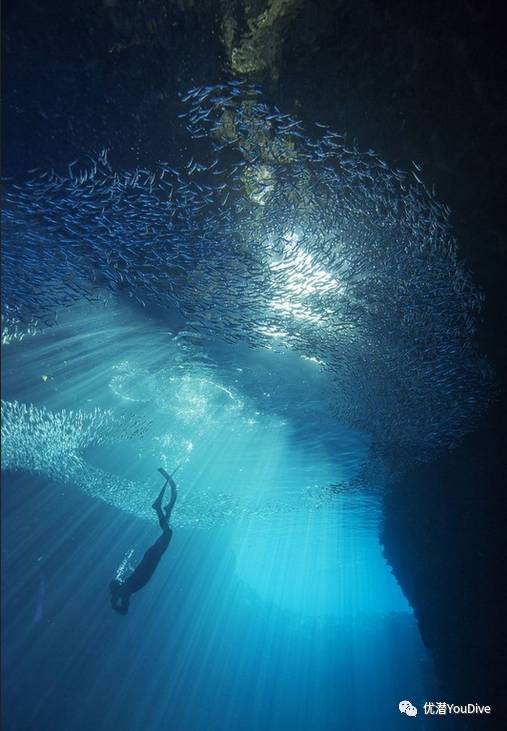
<point x="121" y="590"/>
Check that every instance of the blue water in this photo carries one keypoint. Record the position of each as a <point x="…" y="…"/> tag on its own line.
<point x="273" y="607"/>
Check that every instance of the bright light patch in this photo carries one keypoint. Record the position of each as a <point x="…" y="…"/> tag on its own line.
<point x="311" y="359"/>
<point x="326" y="564"/>
<point x="299" y="279"/>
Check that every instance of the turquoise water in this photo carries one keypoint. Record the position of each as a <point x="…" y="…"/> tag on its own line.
<point x="273" y="607"/>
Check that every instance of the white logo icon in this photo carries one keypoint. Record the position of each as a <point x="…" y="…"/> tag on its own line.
<point x="408" y="708"/>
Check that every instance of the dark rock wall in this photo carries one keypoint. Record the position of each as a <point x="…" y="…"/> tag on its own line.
<point x="425" y="81"/>
<point x="444" y="536"/>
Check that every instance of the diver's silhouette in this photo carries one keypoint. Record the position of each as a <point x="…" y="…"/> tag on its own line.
<point x="122" y="590"/>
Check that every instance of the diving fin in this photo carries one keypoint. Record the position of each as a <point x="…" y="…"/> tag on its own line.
<point x="164" y="473"/>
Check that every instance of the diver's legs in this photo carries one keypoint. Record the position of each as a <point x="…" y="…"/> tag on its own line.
<point x="157" y="506"/>
<point x="162" y="519"/>
<point x="167" y="513"/>
<point x="158" y="502"/>
<point x="170" y="505"/>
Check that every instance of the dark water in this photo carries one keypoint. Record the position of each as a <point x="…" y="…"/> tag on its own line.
<point x="198" y="280"/>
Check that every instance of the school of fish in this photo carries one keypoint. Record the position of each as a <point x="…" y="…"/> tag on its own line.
<point x="54" y="445"/>
<point x="274" y="235"/>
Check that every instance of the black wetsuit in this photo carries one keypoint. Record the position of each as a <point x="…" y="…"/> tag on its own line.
<point x="122" y="590"/>
<point x="146" y="567"/>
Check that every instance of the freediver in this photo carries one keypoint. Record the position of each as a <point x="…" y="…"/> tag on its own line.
<point x="121" y="591"/>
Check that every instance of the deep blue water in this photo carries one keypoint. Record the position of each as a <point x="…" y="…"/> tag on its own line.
<point x="273" y="607"/>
